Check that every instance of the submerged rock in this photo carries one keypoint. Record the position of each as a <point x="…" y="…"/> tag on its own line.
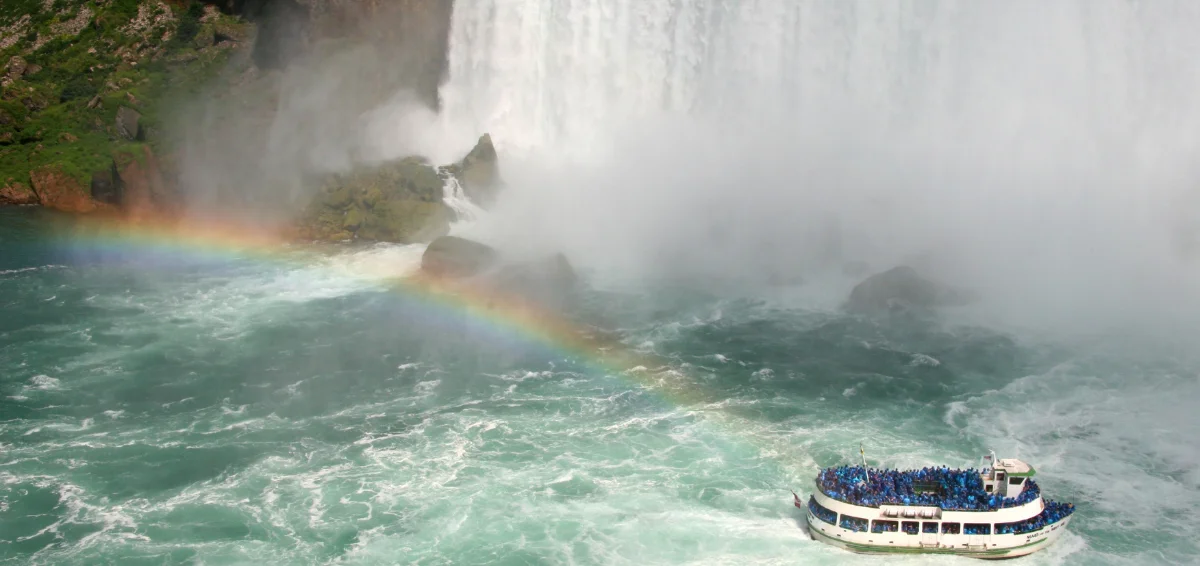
<point x="451" y="256"/>
<point x="902" y="287"/>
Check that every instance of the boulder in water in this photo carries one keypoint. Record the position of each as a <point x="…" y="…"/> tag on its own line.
<point x="902" y="287"/>
<point x="549" y="282"/>
<point x="451" y="256"/>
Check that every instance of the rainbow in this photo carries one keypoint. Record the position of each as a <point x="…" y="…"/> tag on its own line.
<point x="505" y="315"/>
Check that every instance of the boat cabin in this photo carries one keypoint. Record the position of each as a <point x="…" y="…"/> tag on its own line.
<point x="1006" y="477"/>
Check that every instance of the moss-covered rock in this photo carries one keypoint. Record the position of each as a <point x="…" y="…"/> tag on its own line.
<point x="399" y="201"/>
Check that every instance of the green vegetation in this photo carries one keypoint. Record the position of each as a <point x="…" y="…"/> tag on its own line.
<point x="189" y="24"/>
<point x="67" y="71"/>
<point x="399" y="201"/>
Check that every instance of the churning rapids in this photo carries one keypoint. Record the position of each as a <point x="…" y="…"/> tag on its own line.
<point x="711" y="167"/>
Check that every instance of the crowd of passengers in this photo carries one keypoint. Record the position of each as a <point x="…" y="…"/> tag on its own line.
<point x="1053" y="513"/>
<point x="956" y="490"/>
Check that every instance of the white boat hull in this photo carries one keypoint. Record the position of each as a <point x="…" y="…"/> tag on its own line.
<point x="975" y="546"/>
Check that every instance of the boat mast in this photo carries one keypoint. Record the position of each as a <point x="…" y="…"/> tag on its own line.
<point x="864" y="459"/>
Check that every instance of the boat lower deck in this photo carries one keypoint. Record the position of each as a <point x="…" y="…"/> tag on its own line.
<point x="980" y="540"/>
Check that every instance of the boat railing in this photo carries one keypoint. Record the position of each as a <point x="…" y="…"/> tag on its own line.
<point x="933" y="488"/>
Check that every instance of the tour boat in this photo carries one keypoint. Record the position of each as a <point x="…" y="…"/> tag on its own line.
<point x="994" y="512"/>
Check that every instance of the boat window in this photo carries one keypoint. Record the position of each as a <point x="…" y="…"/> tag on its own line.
<point x="821" y="512"/>
<point x="949" y="528"/>
<point x="977" y="529"/>
<point x="1015" y="481"/>
<point x="988" y="488"/>
<point x="884" y="526"/>
<point x="909" y="527"/>
<point x="929" y="527"/>
<point x="853" y="523"/>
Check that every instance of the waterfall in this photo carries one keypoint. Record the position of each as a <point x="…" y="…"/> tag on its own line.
<point x="1037" y="148"/>
<point x="466" y="212"/>
<point x="560" y="73"/>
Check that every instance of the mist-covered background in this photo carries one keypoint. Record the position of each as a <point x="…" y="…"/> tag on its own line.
<point x="1041" y="155"/>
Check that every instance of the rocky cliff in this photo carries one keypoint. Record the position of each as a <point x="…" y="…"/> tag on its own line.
<point x="85" y="94"/>
<point x="146" y="106"/>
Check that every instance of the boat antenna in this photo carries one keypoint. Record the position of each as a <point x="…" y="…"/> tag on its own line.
<point x="864" y="459"/>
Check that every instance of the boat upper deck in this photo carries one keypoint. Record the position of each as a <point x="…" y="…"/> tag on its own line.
<point x="949" y="489"/>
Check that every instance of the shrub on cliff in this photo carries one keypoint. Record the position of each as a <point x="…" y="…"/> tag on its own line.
<point x="189" y="24"/>
<point x="78" y="87"/>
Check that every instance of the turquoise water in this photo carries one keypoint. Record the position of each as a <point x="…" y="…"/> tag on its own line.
<point x="177" y="410"/>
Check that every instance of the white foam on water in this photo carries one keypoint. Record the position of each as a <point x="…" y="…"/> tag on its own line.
<point x="44" y="383"/>
<point x="375" y="263"/>
<point x="30" y="269"/>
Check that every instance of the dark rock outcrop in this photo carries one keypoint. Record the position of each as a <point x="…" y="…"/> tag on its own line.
<point x="128" y="123"/>
<point x="106" y="186"/>
<point x="479" y="172"/>
<point x="903" y="288"/>
<point x="451" y="256"/>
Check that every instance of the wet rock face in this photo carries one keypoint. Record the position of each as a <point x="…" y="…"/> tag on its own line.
<point x="413" y="35"/>
<point x="283" y="27"/>
<point x="128" y="123"/>
<point x="106" y="186"/>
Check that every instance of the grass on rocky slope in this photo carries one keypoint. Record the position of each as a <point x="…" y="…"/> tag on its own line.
<point x="64" y="114"/>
